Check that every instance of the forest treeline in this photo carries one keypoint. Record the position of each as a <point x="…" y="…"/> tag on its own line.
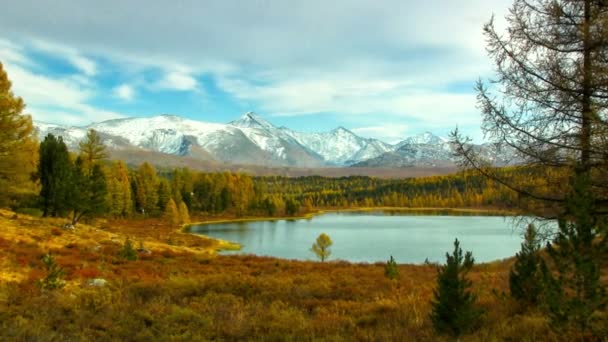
<point x="87" y="184"/>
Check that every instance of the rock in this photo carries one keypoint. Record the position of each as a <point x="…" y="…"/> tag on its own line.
<point x="69" y="226"/>
<point x="98" y="282"/>
<point x="144" y="251"/>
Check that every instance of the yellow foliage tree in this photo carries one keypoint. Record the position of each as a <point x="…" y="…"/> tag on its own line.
<point x="321" y="246"/>
<point x="184" y="216"/>
<point x="18" y="147"/>
<point x="171" y="215"/>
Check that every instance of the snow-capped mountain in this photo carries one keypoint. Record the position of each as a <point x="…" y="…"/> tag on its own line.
<point x="248" y="140"/>
<point x="253" y="140"/>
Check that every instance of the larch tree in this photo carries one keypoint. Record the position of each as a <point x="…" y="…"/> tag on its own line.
<point x="146" y="188"/>
<point x="549" y="101"/>
<point x="171" y="214"/>
<point x="184" y="216"/>
<point x="321" y="247"/>
<point x="549" y="105"/>
<point x="18" y="147"/>
<point x="92" y="150"/>
<point x="119" y="200"/>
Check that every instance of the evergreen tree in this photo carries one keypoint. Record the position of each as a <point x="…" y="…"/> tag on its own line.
<point x="171" y="214"/>
<point x="18" y="147"/>
<point x="127" y="251"/>
<point x="526" y="276"/>
<point x="55" y="173"/>
<point x="391" y="271"/>
<point x="321" y="246"/>
<point x="575" y="295"/>
<point x="453" y="308"/>
<point x="88" y="192"/>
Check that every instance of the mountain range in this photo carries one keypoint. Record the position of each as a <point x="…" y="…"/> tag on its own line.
<point x="254" y="141"/>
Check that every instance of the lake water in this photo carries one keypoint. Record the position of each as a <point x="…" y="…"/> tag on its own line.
<point x="374" y="236"/>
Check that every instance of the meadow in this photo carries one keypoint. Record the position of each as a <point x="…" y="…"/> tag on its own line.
<point x="180" y="289"/>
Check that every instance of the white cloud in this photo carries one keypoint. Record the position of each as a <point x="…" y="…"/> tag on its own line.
<point x="124" y="92"/>
<point x="63" y="100"/>
<point x="178" y="80"/>
<point x="391" y="133"/>
<point x="85" y="65"/>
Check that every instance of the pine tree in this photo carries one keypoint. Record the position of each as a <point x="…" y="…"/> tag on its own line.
<point x="55" y="174"/>
<point x="171" y="214"/>
<point x="575" y="295"/>
<point x="88" y="192"/>
<point x="184" y="216"/>
<point x="18" y="147"/>
<point x="526" y="276"/>
<point x="453" y="308"/>
<point x="391" y="271"/>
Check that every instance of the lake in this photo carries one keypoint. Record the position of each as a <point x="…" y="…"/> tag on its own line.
<point x="374" y="236"/>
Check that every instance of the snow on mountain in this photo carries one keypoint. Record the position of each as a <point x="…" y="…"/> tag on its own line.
<point x="253" y="140"/>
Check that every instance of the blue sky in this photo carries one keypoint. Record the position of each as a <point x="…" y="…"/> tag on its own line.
<point x="384" y="69"/>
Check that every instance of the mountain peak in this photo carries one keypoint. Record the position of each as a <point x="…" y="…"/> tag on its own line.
<point x="252" y="120"/>
<point x="341" y="129"/>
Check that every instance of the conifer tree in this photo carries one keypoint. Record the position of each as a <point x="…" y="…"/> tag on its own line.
<point x="92" y="150"/>
<point x="171" y="214"/>
<point x="88" y="192"/>
<point x="146" y="186"/>
<point x="391" y="271"/>
<point x="18" y="147"/>
<point x="526" y="276"/>
<point x="453" y="308"/>
<point x="119" y="190"/>
<point x="164" y="194"/>
<point x="184" y="216"/>
<point x="575" y="294"/>
<point x="55" y="174"/>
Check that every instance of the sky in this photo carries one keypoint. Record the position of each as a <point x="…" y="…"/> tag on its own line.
<point x="383" y="69"/>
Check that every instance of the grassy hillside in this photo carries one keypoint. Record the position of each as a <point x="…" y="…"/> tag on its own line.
<point x="182" y="290"/>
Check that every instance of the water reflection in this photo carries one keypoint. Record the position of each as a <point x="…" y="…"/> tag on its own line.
<point x="374" y="236"/>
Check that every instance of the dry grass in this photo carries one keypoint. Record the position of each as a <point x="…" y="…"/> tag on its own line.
<point x="183" y="291"/>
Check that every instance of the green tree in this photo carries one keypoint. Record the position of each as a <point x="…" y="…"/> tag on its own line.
<point x="575" y="295"/>
<point x="127" y="251"/>
<point x="18" y="147"/>
<point x="54" y="274"/>
<point x="321" y="246"/>
<point x="55" y="173"/>
<point x="453" y="308"/>
<point x="88" y="192"/>
<point x="526" y="276"/>
<point x="391" y="271"/>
